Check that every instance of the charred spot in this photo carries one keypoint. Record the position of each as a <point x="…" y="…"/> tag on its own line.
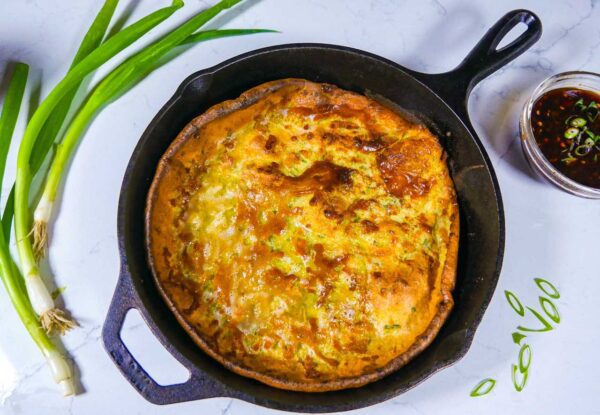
<point x="369" y="226"/>
<point x="272" y="168"/>
<point x="330" y="213"/>
<point x="402" y="166"/>
<point x="321" y="176"/>
<point x="329" y="137"/>
<point x="186" y="236"/>
<point x="344" y="175"/>
<point x="369" y="145"/>
<point x="271" y="142"/>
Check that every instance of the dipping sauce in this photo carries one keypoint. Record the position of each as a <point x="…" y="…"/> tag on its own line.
<point x="566" y="127"/>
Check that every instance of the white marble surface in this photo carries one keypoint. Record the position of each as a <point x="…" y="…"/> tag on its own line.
<point x="549" y="233"/>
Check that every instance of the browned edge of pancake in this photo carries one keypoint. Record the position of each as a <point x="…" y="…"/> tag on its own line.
<point x="447" y="281"/>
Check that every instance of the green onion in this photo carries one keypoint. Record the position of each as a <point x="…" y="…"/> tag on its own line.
<point x="580" y="105"/>
<point x="53" y="318"/>
<point x="517" y="337"/>
<point x="11" y="279"/>
<point x="571" y="132"/>
<point x="524" y="358"/>
<point x="117" y="82"/>
<point x="483" y="388"/>
<point x="582" y="150"/>
<point x="10" y="111"/>
<point x="578" y="122"/>
<point x="519" y="386"/>
<point x="547" y="326"/>
<point x="514" y="302"/>
<point x="553" y="314"/>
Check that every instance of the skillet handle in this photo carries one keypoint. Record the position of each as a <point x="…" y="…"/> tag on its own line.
<point x="455" y="86"/>
<point x="196" y="387"/>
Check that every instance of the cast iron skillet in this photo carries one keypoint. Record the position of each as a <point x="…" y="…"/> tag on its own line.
<point x="439" y="100"/>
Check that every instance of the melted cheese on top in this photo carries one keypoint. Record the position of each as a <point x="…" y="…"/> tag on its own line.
<point x="304" y="236"/>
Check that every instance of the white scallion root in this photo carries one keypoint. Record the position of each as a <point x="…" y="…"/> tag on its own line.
<point x="40" y="239"/>
<point x="56" y="321"/>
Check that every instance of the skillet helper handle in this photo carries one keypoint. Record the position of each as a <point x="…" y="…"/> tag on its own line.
<point x="484" y="59"/>
<point x="194" y="388"/>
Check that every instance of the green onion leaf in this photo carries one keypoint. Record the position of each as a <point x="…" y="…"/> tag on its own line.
<point x="547" y="287"/>
<point x="514" y="302"/>
<point x="10" y="111"/>
<point x="215" y="34"/>
<point x="483" y="388"/>
<point x="553" y="313"/>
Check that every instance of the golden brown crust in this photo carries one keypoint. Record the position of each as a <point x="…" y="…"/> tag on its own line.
<point x="396" y="157"/>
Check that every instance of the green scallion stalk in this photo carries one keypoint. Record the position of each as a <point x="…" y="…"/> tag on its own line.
<point x="61" y="370"/>
<point x="51" y="317"/>
<point x="121" y="79"/>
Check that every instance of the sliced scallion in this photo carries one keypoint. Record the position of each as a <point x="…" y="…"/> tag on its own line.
<point x="547" y="287"/>
<point x="519" y="386"/>
<point x="524" y="358"/>
<point x="514" y="303"/>
<point x="517" y="337"/>
<point x="550" y="309"/>
<point x="547" y="326"/>
<point x="483" y="388"/>
<point x="571" y="133"/>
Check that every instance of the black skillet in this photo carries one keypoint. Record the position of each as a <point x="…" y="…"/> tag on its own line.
<point x="438" y="100"/>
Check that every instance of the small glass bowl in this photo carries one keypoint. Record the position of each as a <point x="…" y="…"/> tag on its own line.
<point x="580" y="80"/>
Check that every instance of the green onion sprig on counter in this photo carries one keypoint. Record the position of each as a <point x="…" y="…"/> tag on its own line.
<point x="29" y="295"/>
<point x="61" y="370"/>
